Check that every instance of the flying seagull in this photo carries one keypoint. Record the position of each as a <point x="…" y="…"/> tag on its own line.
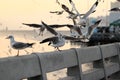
<point x="82" y="19"/>
<point x="18" y="45"/>
<point x="58" y="40"/>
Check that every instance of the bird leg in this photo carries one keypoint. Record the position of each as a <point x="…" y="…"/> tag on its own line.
<point x="58" y="48"/>
<point x="17" y="53"/>
<point x="49" y="43"/>
<point x="26" y="51"/>
<point x="40" y="32"/>
<point x="9" y="50"/>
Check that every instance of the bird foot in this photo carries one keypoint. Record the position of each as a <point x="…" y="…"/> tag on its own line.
<point x="17" y="55"/>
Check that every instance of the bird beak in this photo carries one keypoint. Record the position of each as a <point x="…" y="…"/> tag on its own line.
<point x="7" y="38"/>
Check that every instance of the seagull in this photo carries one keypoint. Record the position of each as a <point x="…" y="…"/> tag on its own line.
<point x="82" y="20"/>
<point x="117" y="9"/>
<point x="18" y="45"/>
<point x="57" y="12"/>
<point x="58" y="40"/>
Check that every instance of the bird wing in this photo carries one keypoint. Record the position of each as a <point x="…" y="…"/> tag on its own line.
<point x="33" y="25"/>
<point x="57" y="2"/>
<point x="49" y="28"/>
<point x="71" y="38"/>
<point x="19" y="45"/>
<point x="50" y="39"/>
<point x="78" y="30"/>
<point x="57" y="12"/>
<point x="74" y="8"/>
<point x="53" y="11"/>
<point x="67" y="9"/>
<point x="91" y="10"/>
<point x="57" y="25"/>
<point x="91" y="28"/>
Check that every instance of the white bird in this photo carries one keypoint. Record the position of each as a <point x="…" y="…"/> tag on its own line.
<point x="82" y="20"/>
<point x="89" y="31"/>
<point x="18" y="45"/>
<point x="58" y="40"/>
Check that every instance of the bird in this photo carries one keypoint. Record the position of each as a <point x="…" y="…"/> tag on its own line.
<point x="18" y="45"/>
<point x="117" y="9"/>
<point x="58" y="40"/>
<point x="82" y="19"/>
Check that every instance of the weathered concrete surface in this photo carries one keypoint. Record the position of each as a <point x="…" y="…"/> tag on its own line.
<point x="16" y="68"/>
<point x="57" y="60"/>
<point x="35" y="66"/>
<point x="89" y="54"/>
<point x="109" y="50"/>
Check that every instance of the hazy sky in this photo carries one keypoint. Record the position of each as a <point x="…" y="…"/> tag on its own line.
<point x="15" y="12"/>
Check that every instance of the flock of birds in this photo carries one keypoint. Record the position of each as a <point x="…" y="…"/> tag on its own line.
<point x="58" y="40"/>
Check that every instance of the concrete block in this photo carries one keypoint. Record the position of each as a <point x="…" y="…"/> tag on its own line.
<point x="89" y="54"/>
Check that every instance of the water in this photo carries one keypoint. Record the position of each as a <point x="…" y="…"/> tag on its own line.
<point x="29" y="36"/>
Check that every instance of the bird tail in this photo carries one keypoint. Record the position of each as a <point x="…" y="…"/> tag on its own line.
<point x="30" y="44"/>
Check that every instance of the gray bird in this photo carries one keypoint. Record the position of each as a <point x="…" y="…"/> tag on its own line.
<point x="58" y="40"/>
<point x="18" y="45"/>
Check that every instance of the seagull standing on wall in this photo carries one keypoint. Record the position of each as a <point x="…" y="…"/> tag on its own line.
<point x="18" y="45"/>
<point x="56" y="41"/>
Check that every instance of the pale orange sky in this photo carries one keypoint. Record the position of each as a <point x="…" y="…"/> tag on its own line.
<point x="15" y="12"/>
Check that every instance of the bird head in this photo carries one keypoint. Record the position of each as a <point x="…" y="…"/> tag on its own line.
<point x="9" y="37"/>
